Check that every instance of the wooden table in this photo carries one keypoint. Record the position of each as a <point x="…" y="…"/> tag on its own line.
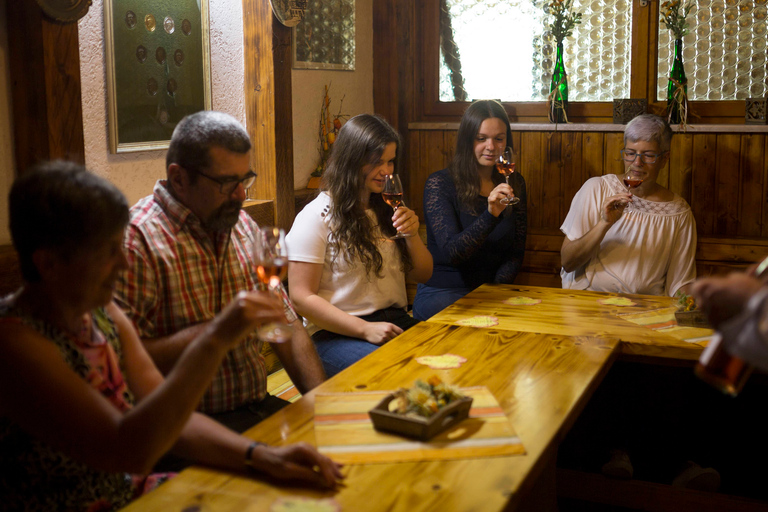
<point x="573" y="312"/>
<point x="542" y="363"/>
<point x="542" y="382"/>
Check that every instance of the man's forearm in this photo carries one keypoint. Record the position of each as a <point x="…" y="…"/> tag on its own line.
<point x="299" y="358"/>
<point x="166" y="351"/>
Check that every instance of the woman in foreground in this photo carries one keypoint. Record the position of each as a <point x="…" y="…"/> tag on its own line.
<point x="83" y="410"/>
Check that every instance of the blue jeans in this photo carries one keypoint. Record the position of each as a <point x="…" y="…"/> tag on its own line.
<point x="338" y="352"/>
<point x="430" y="300"/>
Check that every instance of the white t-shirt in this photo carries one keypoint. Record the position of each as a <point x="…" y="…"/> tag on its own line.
<point x="650" y="249"/>
<point x="344" y="285"/>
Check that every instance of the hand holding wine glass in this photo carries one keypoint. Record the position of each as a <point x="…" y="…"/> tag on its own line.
<point x="393" y="196"/>
<point x="271" y="262"/>
<point x="505" y="164"/>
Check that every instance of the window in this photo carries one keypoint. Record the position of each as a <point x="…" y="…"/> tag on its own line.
<point x="724" y="53"/>
<point x="502" y="49"/>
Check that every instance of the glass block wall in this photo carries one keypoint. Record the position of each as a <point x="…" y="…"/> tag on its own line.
<point x="725" y="52"/>
<point x="506" y="51"/>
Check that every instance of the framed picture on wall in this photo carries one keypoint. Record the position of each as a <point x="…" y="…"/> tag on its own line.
<point x="158" y="69"/>
<point x="325" y="39"/>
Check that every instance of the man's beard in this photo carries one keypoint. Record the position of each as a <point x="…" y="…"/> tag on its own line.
<point x="224" y="217"/>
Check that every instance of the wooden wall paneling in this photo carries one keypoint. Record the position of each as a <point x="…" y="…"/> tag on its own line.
<point x="259" y="102"/>
<point x="613" y="143"/>
<point x="764" y="228"/>
<point x="533" y="160"/>
<point x="285" y="206"/>
<point x="573" y="171"/>
<point x="553" y="167"/>
<point x="680" y="157"/>
<point x="592" y="156"/>
<point x="727" y="185"/>
<point x="703" y="194"/>
<point x="433" y="158"/>
<point x="449" y="147"/>
<point x="516" y="146"/>
<point x="417" y="173"/>
<point x="752" y="157"/>
<point x="44" y="65"/>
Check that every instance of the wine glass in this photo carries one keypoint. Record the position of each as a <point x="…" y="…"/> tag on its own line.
<point x="270" y="254"/>
<point x="505" y="164"/>
<point x="631" y="182"/>
<point x="393" y="196"/>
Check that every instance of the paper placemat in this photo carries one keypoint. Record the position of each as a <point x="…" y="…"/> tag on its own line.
<point x="344" y="431"/>
<point x="663" y="320"/>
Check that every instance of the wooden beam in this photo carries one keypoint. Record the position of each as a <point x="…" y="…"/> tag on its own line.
<point x="259" y="97"/>
<point x="281" y="56"/>
<point x="44" y="62"/>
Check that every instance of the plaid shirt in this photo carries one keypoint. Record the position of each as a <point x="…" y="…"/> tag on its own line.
<point x="173" y="283"/>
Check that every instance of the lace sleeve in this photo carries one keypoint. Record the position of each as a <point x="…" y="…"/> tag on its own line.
<point x="507" y="272"/>
<point x="441" y="210"/>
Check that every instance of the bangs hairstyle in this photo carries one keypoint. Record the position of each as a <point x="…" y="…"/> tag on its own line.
<point x="649" y="128"/>
<point x="63" y="207"/>
<point x="197" y="133"/>
<point x="361" y="142"/>
<point x="463" y="168"/>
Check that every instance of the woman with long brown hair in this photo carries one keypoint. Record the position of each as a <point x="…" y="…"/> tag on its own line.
<point x="347" y="276"/>
<point x="474" y="236"/>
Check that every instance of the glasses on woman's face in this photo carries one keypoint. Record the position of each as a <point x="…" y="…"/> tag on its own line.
<point x="630" y="155"/>
<point x="228" y="185"/>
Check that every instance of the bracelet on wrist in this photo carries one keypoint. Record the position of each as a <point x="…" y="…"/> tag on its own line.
<point x="249" y="453"/>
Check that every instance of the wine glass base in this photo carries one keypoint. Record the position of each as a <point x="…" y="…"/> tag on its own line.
<point x="400" y="235"/>
<point x="509" y="201"/>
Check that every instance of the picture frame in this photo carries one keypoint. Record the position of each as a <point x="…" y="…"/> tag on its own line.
<point x="325" y="39"/>
<point x="158" y="69"/>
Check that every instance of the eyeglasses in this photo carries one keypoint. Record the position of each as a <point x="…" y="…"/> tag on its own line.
<point x="629" y="155"/>
<point x="228" y="185"/>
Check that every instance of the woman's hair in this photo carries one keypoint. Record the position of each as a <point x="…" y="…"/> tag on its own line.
<point x="649" y="128"/>
<point x="463" y="168"/>
<point x="61" y="206"/>
<point x="360" y="143"/>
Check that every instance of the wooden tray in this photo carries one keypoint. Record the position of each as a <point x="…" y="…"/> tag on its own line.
<point x="418" y="428"/>
<point x="695" y="318"/>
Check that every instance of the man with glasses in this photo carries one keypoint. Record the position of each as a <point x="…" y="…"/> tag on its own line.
<point x="629" y="234"/>
<point x="190" y="251"/>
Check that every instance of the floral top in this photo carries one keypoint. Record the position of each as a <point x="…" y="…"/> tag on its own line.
<point x="34" y="475"/>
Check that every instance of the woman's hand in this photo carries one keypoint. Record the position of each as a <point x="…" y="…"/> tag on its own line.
<point x="379" y="333"/>
<point x="297" y="462"/>
<point x="246" y="312"/>
<point x="613" y="208"/>
<point x="502" y="191"/>
<point x="406" y="221"/>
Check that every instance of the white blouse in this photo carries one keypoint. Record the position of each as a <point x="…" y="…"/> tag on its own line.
<point x="650" y="250"/>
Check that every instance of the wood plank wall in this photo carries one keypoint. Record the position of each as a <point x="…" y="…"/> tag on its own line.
<point x="723" y="176"/>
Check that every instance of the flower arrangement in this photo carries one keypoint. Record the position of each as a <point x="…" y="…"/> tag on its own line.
<point x="685" y="302"/>
<point x="327" y="131"/>
<point x="673" y="14"/>
<point x="565" y="20"/>
<point x="425" y="398"/>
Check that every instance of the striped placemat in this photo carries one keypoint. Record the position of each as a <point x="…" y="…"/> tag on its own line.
<point x="344" y="431"/>
<point x="663" y="320"/>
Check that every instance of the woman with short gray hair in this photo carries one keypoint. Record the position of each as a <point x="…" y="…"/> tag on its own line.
<point x="630" y="234"/>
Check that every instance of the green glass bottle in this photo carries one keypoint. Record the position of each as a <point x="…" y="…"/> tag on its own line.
<point x="677" y="73"/>
<point x="557" y="113"/>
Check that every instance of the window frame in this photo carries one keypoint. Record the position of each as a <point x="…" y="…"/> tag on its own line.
<point x="643" y="78"/>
